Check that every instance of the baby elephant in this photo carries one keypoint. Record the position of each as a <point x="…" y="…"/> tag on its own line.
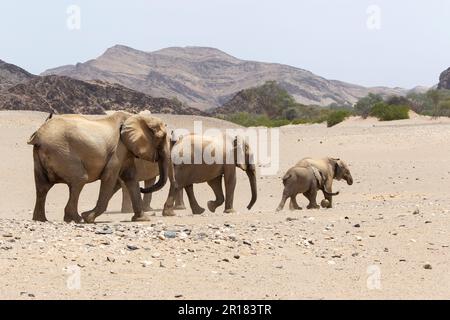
<point x="310" y="175"/>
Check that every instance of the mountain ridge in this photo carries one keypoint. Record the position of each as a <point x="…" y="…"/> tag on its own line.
<point x="61" y="94"/>
<point x="206" y="77"/>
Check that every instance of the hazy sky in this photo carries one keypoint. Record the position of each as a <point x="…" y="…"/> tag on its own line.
<point x="379" y="42"/>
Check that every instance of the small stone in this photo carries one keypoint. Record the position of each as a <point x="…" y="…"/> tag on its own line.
<point x="225" y="260"/>
<point x="132" y="247"/>
<point x="170" y="234"/>
<point x="146" y="263"/>
<point x="161" y="236"/>
<point x="110" y="259"/>
<point x="291" y="219"/>
<point x="357" y="225"/>
<point x="358" y="238"/>
<point x="178" y="296"/>
<point x="427" y="266"/>
<point x="156" y="255"/>
<point x="236" y="256"/>
<point x="416" y="211"/>
<point x="104" y="231"/>
<point x="182" y="235"/>
<point x="248" y="243"/>
<point x="7" y="235"/>
<point x="428" y="221"/>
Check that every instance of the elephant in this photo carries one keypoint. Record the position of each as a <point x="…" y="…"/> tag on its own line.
<point x="310" y="175"/>
<point x="189" y="172"/>
<point x="75" y="150"/>
<point x="146" y="171"/>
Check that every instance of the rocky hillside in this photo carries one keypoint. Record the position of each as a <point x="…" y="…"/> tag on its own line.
<point x="10" y="75"/>
<point x="60" y="94"/>
<point x="207" y="78"/>
<point x="444" y="80"/>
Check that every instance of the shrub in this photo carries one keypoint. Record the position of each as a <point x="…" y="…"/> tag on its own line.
<point x="387" y="112"/>
<point x="365" y="105"/>
<point x="336" y="117"/>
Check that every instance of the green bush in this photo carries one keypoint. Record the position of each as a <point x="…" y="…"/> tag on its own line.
<point x="336" y="117"/>
<point x="365" y="105"/>
<point x="387" y="112"/>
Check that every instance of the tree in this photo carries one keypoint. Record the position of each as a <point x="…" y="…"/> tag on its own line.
<point x="364" y="105"/>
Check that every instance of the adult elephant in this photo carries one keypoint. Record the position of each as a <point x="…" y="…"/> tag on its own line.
<point x="75" y="150"/>
<point x="148" y="172"/>
<point x="189" y="170"/>
<point x="329" y="168"/>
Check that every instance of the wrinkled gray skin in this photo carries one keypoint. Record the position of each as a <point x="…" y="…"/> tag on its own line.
<point x="186" y="175"/>
<point x="148" y="172"/>
<point x="75" y="150"/>
<point x="301" y="179"/>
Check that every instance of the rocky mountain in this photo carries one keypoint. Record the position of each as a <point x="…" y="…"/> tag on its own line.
<point x="444" y="80"/>
<point x="10" y="75"/>
<point x="207" y="78"/>
<point x="61" y="94"/>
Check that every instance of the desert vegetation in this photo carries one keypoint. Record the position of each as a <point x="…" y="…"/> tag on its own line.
<point x="270" y="105"/>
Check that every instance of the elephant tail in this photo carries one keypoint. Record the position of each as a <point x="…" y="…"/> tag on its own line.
<point x="34" y="139"/>
<point x="286" y="178"/>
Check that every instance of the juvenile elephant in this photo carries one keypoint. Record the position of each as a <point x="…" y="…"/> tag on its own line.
<point x="75" y="150"/>
<point x="148" y="172"/>
<point x="203" y="170"/>
<point x="328" y="169"/>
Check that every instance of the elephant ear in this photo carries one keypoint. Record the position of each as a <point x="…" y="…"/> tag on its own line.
<point x="242" y="154"/>
<point x="143" y="135"/>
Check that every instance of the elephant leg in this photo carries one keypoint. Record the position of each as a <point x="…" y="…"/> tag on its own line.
<point x="230" y="185"/>
<point x="71" y="209"/>
<point x="179" y="201"/>
<point x="147" y="199"/>
<point x="107" y="187"/>
<point x="42" y="189"/>
<point x="329" y="198"/>
<point x="293" y="205"/>
<point x="311" y="196"/>
<point x="195" y="207"/>
<point x="284" y="197"/>
<point x="216" y="185"/>
<point x="168" y="205"/>
<point x="127" y="207"/>
<point x="136" y="200"/>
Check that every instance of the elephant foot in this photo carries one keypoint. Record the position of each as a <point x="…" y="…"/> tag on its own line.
<point x="39" y="218"/>
<point x="198" y="210"/>
<point x="279" y="209"/>
<point x="229" y="210"/>
<point x="126" y="210"/>
<point x="73" y="217"/>
<point x="140" y="218"/>
<point x="168" y="212"/>
<point x="179" y="207"/>
<point x="212" y="206"/>
<point x="89" y="216"/>
<point x="147" y="208"/>
<point x="313" y="206"/>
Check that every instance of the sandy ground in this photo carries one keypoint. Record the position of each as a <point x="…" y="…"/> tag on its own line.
<point x="388" y="235"/>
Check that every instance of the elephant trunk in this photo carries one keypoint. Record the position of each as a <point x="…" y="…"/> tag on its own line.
<point x="163" y="164"/>
<point x="349" y="180"/>
<point x="252" y="178"/>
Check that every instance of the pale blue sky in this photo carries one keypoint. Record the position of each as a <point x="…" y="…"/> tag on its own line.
<point x="327" y="37"/>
